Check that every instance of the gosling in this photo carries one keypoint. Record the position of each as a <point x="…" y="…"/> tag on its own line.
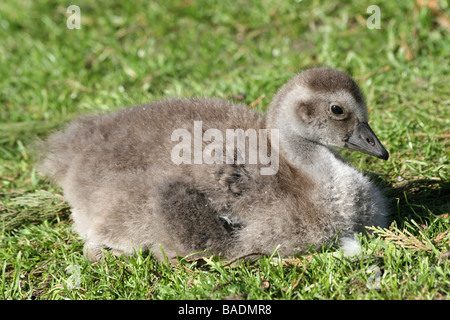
<point x="142" y="179"/>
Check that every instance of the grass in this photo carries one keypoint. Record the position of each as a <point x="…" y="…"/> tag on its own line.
<point x="128" y="53"/>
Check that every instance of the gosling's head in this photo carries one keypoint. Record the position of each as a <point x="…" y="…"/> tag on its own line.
<point x="325" y="106"/>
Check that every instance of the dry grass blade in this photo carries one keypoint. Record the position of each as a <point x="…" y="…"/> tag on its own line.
<point x="441" y="236"/>
<point x="245" y="256"/>
<point x="33" y="207"/>
<point x="397" y="237"/>
<point x="10" y="132"/>
<point x="406" y="239"/>
<point x="254" y="103"/>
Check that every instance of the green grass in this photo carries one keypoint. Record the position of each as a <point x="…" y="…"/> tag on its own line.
<point x="128" y="53"/>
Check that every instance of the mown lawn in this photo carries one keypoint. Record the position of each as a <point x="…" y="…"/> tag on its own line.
<point x="130" y="52"/>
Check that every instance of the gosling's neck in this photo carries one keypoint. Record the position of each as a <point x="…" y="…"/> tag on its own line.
<point x="298" y="151"/>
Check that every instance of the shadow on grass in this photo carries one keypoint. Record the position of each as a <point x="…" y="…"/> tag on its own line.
<point x="419" y="200"/>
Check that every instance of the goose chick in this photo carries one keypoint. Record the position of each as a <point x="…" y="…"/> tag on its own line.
<point x="130" y="189"/>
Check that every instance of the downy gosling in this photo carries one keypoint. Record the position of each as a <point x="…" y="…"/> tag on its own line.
<point x="185" y="176"/>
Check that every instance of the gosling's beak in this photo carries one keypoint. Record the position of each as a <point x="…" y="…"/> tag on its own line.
<point x="364" y="139"/>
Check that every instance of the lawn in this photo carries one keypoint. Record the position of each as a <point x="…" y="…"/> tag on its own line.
<point x="130" y="52"/>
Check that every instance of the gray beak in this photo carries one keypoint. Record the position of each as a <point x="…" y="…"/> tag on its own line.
<point x="364" y="139"/>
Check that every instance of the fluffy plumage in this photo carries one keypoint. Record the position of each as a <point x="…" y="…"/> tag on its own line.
<point x="127" y="194"/>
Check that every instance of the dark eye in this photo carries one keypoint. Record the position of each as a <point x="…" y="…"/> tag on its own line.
<point x="336" y="109"/>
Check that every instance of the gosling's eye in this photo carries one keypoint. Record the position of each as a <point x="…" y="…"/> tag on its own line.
<point x="337" y="109"/>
